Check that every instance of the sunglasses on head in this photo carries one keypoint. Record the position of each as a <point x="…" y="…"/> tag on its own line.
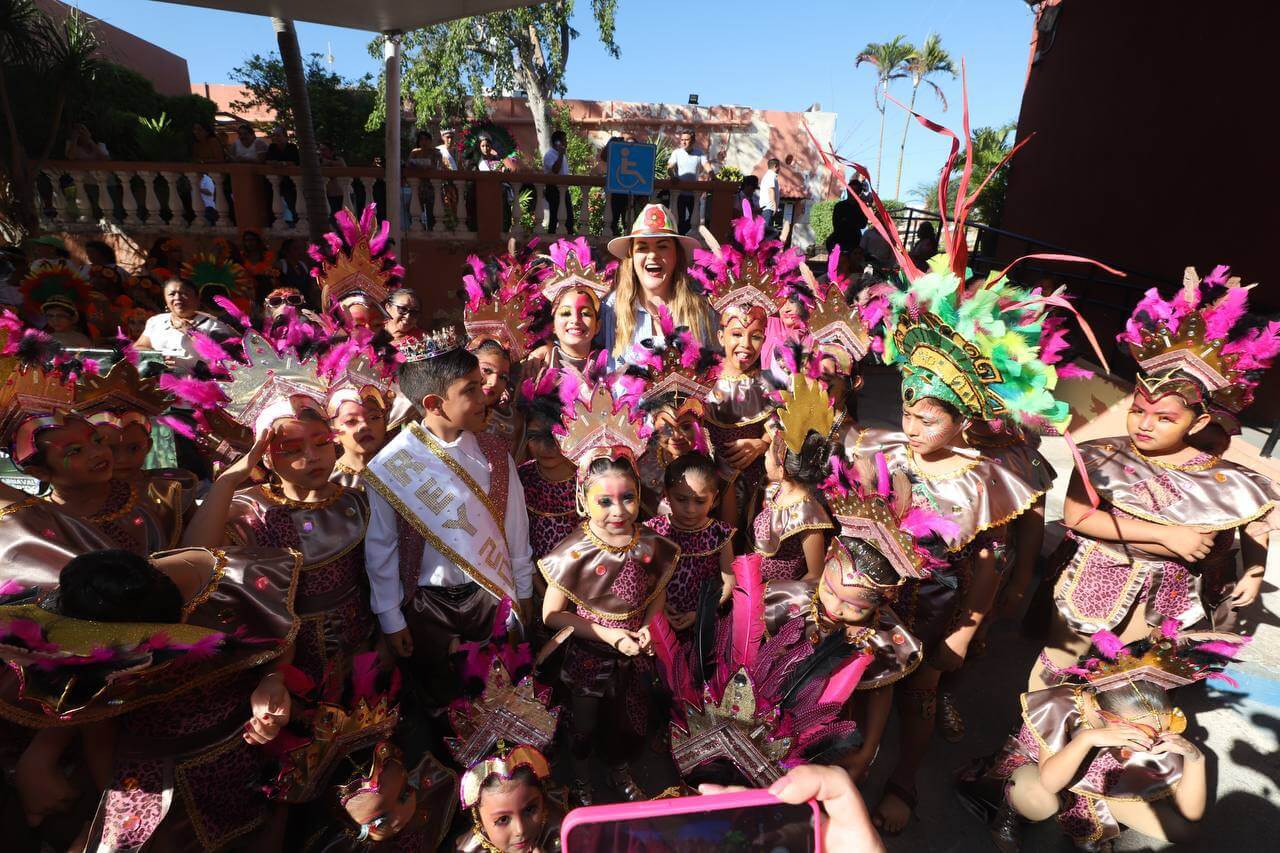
<point x="294" y="299"/>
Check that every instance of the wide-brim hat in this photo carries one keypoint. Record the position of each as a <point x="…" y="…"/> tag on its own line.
<point x="654" y="221"/>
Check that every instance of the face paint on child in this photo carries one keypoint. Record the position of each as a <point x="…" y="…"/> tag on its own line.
<point x="576" y="320"/>
<point x="742" y="341"/>
<point x="302" y="452"/>
<point x="496" y="370"/>
<point x="613" y="503"/>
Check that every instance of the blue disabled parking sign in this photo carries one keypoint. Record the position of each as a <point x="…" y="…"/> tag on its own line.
<point x="630" y="168"/>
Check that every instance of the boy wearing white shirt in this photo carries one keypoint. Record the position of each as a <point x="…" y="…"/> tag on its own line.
<point x="448" y="532"/>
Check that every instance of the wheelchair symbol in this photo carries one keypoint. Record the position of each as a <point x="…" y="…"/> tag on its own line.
<point x="628" y="177"/>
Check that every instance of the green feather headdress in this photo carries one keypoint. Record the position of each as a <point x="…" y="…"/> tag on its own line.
<point x="979" y="350"/>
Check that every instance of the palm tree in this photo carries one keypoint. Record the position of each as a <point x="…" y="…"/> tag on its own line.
<point x="317" y="205"/>
<point x="889" y="59"/>
<point x="923" y="63"/>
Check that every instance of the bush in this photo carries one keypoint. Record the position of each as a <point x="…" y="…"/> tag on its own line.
<point x="820" y="220"/>
<point x="117" y="107"/>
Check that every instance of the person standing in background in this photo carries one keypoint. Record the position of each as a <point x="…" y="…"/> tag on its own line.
<point x="556" y="162"/>
<point x="770" y="197"/>
<point x="687" y="163"/>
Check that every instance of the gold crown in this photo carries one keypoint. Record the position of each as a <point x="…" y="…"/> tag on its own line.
<point x="1160" y="664"/>
<point x="805" y="407"/>
<point x="1163" y="354"/>
<point x="29" y="391"/>
<point x="336" y="734"/>
<point x="751" y="289"/>
<point x="431" y="344"/>
<point x="731" y="730"/>
<point x="834" y="322"/>
<point x="268" y="377"/>
<point x="872" y="520"/>
<point x="120" y="388"/>
<point x="574" y="275"/>
<point x="516" y="713"/>
<point x="353" y="272"/>
<point x="503" y="319"/>
<point x="504" y="764"/>
<point x="685" y="383"/>
<point x="601" y="425"/>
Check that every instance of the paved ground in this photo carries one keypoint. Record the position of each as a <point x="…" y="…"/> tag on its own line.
<point x="1240" y="727"/>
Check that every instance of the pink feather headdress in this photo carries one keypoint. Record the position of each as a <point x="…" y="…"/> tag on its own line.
<point x="764" y="704"/>
<point x="873" y="509"/>
<point x="752" y="278"/>
<point x="1168" y="658"/>
<point x="500" y="296"/>
<point x="356" y="259"/>
<point x="1201" y="345"/>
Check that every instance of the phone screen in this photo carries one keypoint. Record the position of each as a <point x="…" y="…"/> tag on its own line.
<point x="771" y="828"/>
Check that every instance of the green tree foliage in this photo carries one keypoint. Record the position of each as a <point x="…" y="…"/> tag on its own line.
<point x="117" y="104"/>
<point x="990" y="145"/>
<point x="44" y="64"/>
<point x="340" y="108"/>
<point x="448" y="69"/>
<point x="820" y="220"/>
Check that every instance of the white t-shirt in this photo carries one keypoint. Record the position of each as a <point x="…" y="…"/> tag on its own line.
<point x="167" y="340"/>
<point x="689" y="164"/>
<point x="253" y="153"/>
<point x="549" y="160"/>
<point x="769" y="191"/>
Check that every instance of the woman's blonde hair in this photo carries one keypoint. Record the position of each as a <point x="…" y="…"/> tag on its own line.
<point x="687" y="306"/>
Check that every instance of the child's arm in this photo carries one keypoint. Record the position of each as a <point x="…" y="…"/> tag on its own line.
<point x="879" y="703"/>
<point x="726" y="571"/>
<point x="1028" y="539"/>
<point x="43" y="788"/>
<point x="207" y="528"/>
<point x="1191" y="794"/>
<point x="1174" y="541"/>
<point x="382" y="565"/>
<point x="815" y="554"/>
<point x="975" y="606"/>
<point x="1254" y="540"/>
<point x="1057" y="770"/>
<point x="556" y="615"/>
<point x="655" y="607"/>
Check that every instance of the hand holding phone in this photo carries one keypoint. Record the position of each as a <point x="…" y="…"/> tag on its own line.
<point x="846" y="824"/>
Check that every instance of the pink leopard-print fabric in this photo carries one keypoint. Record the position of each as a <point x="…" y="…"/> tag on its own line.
<point x="553" y="513"/>
<point x="753" y="475"/>
<point x="220" y="802"/>
<point x="699" y="559"/>
<point x="788" y="563"/>
<point x="133" y="806"/>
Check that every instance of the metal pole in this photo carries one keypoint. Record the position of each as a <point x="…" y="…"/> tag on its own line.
<point x="394" y="214"/>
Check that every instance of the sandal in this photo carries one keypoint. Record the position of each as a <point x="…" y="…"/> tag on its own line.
<point x="950" y="720"/>
<point x="907" y="796"/>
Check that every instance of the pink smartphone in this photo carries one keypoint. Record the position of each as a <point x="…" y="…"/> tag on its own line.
<point x="753" y="821"/>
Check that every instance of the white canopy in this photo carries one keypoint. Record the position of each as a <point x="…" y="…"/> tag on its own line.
<point x="380" y="16"/>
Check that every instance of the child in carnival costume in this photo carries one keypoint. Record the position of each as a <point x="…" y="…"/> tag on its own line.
<point x="280" y="396"/>
<point x="167" y="668"/>
<point x="216" y="274"/>
<point x="391" y="802"/>
<point x="572" y="288"/>
<point x="59" y="292"/>
<point x="359" y="407"/>
<point x="883" y="542"/>
<point x="47" y="437"/>
<point x="749" y="705"/>
<point x="1162" y="546"/>
<point x="664" y="380"/>
<point x="497" y="318"/>
<point x="971" y="357"/>
<point x="1105" y="750"/>
<point x="748" y="285"/>
<point x="503" y="703"/>
<point x="449" y="531"/>
<point x="356" y="271"/>
<point x="607" y="581"/>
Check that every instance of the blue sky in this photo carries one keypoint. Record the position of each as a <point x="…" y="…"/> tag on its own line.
<point x="767" y="55"/>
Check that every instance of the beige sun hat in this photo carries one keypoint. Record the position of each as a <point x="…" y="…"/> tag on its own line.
<point x="654" y="221"/>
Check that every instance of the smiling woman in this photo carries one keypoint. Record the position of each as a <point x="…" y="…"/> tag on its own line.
<point x="652" y="273"/>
